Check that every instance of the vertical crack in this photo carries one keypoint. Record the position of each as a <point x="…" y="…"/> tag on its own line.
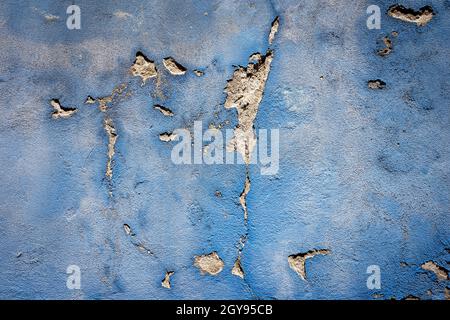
<point x="243" y="196"/>
<point x="112" y="139"/>
<point x="245" y="91"/>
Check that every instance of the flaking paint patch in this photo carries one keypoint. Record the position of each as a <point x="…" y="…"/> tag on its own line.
<point x="104" y="103"/>
<point x="173" y="66"/>
<point x="112" y="139"/>
<point x="388" y="47"/>
<point x="122" y="14"/>
<point x="297" y="262"/>
<point x="128" y="230"/>
<point x="420" y="18"/>
<point x="274" y="29"/>
<point x="47" y="16"/>
<point x="51" y="17"/>
<point x="198" y="73"/>
<point x="60" y="111"/>
<point x="165" y="111"/>
<point x="166" y="281"/>
<point x="243" y="197"/>
<point x="376" y="84"/>
<point x="143" y="67"/>
<point x="411" y="297"/>
<point x="167" y="136"/>
<point x="90" y="100"/>
<point x="440" y="272"/>
<point x="142" y="248"/>
<point x="209" y="263"/>
<point x="244" y="93"/>
<point x="237" y="268"/>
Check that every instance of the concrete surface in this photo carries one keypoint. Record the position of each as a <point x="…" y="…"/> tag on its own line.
<point x="363" y="173"/>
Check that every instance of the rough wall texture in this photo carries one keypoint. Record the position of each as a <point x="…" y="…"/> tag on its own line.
<point x="364" y="172"/>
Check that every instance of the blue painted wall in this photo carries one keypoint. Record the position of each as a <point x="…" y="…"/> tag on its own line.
<point x="363" y="173"/>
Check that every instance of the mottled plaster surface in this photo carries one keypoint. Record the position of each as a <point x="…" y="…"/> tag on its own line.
<point x="363" y="173"/>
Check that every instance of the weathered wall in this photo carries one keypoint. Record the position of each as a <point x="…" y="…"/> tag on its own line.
<point x="363" y="173"/>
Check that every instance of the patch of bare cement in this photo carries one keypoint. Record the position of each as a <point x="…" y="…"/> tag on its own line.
<point x="440" y="272"/>
<point x="143" y="67"/>
<point x="166" y="281"/>
<point x="47" y="16"/>
<point x="237" y="268"/>
<point x="90" y="100"/>
<point x="420" y="18"/>
<point x="274" y="29"/>
<point x="60" y="111"/>
<point x="244" y="92"/>
<point x="51" y="17"/>
<point x="128" y="230"/>
<point x="118" y="92"/>
<point x="297" y="261"/>
<point x="165" y="111"/>
<point x="388" y="47"/>
<point x="198" y="73"/>
<point x="122" y="14"/>
<point x="174" y="67"/>
<point x="112" y="139"/>
<point x="376" y="84"/>
<point x="167" y="136"/>
<point x="411" y="297"/>
<point x="243" y="197"/>
<point x="209" y="263"/>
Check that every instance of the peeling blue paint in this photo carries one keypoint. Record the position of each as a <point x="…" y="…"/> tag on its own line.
<point x="363" y="173"/>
